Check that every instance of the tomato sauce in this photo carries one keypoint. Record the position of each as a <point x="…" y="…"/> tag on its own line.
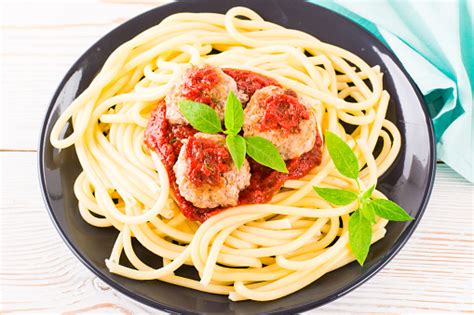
<point x="283" y="111"/>
<point x="165" y="139"/>
<point x="265" y="182"/>
<point x="199" y="84"/>
<point x="248" y="81"/>
<point x="207" y="162"/>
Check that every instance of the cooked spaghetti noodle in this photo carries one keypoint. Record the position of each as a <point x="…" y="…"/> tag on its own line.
<point x="279" y="247"/>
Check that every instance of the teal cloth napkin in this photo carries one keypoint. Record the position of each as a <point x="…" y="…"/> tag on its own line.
<point x="434" y="42"/>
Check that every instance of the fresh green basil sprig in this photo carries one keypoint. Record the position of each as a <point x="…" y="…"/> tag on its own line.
<point x="205" y="119"/>
<point x="361" y="220"/>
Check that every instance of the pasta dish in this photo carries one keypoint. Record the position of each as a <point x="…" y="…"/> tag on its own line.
<point x="218" y="142"/>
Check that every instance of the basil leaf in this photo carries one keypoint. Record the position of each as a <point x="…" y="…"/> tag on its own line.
<point x="367" y="211"/>
<point x="342" y="156"/>
<point x="337" y="197"/>
<point x="234" y="114"/>
<point x="201" y="116"/>
<point x="390" y="210"/>
<point x="237" y="148"/>
<point x="265" y="153"/>
<point x="360" y="236"/>
<point x="368" y="193"/>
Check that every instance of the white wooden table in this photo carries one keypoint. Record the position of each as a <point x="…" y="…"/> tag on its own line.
<point x="38" y="274"/>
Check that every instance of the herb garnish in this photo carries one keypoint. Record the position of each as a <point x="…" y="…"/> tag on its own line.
<point x="361" y="220"/>
<point x="205" y="119"/>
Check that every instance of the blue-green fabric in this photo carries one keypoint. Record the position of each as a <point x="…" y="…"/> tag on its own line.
<point x="434" y="41"/>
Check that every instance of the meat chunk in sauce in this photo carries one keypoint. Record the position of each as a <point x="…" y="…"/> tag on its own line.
<point x="280" y="116"/>
<point x="206" y="175"/>
<point x="204" y="84"/>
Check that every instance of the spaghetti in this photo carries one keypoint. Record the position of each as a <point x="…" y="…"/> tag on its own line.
<point x="279" y="247"/>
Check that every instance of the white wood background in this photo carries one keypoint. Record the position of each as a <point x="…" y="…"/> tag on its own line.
<point x="432" y="274"/>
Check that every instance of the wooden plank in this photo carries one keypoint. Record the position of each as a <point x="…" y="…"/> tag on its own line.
<point x="433" y="272"/>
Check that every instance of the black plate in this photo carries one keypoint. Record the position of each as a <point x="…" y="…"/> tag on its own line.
<point x="408" y="182"/>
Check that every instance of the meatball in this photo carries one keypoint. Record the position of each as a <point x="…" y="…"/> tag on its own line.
<point x="206" y="175"/>
<point x="204" y="84"/>
<point x="280" y="116"/>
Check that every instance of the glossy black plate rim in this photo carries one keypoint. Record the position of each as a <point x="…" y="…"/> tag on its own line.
<point x="404" y="237"/>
